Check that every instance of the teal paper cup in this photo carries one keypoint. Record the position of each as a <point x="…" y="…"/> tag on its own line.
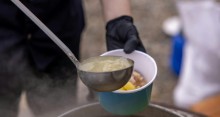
<point x="132" y="101"/>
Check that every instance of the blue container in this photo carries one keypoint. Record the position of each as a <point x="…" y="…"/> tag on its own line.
<point x="178" y="42"/>
<point x="126" y="103"/>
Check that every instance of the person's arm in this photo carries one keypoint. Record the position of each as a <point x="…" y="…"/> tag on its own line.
<point x="121" y="33"/>
<point x="115" y="8"/>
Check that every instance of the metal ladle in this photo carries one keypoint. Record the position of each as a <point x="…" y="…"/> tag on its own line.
<point x="98" y="81"/>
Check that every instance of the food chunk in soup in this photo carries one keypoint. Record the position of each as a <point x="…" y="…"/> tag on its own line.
<point x="136" y="81"/>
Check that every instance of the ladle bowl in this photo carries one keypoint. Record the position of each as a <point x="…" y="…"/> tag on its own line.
<point x="99" y="81"/>
<point x="106" y="81"/>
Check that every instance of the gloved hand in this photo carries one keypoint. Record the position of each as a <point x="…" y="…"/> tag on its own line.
<point x="121" y="33"/>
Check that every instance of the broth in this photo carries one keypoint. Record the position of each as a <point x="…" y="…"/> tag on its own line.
<point x="105" y="64"/>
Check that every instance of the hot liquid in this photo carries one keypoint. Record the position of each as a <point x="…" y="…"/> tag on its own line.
<point x="105" y="64"/>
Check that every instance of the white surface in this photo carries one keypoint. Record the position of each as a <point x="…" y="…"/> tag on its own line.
<point x="172" y="26"/>
<point x="200" y="76"/>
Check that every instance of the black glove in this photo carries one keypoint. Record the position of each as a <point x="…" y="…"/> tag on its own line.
<point x="121" y="33"/>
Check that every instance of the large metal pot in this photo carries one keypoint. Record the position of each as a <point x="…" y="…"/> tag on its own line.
<point x="153" y="110"/>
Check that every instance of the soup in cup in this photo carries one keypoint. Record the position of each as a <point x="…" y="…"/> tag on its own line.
<point x="136" y="99"/>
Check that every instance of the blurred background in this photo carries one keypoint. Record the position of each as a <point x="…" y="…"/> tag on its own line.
<point x="149" y="16"/>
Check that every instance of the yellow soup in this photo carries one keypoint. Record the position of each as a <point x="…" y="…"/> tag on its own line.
<point x="105" y="64"/>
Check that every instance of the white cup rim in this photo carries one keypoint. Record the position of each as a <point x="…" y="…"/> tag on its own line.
<point x="146" y="85"/>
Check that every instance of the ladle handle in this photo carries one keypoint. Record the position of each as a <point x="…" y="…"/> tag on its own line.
<point x="46" y="30"/>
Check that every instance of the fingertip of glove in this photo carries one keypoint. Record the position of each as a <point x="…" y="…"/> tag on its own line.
<point x="128" y="50"/>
